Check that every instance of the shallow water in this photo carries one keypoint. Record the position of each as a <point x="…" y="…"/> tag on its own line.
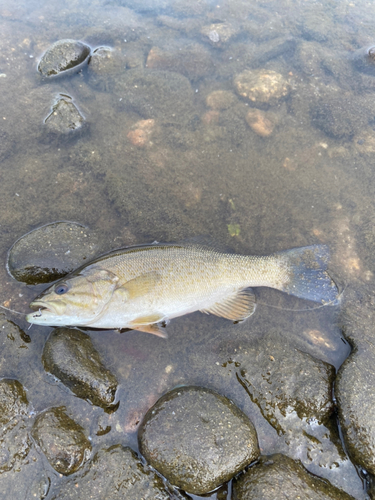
<point x="200" y="172"/>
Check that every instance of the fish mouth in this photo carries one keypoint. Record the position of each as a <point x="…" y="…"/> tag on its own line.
<point x="41" y="306"/>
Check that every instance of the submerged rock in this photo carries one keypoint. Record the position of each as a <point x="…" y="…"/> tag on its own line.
<point x="50" y="252"/>
<point x="14" y="440"/>
<point x="220" y="99"/>
<point x="65" y="116"/>
<point x="261" y="122"/>
<point x="219" y="34"/>
<point x="62" y="440"/>
<point x="197" y="439"/>
<point x="193" y="61"/>
<point x="114" y="473"/>
<point x="363" y="59"/>
<point x="278" y="477"/>
<point x="261" y="86"/>
<point x="62" y="56"/>
<point x="13" y="400"/>
<point x="70" y="356"/>
<point x="356" y="379"/>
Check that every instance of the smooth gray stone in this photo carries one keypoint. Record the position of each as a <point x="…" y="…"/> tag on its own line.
<point x="71" y="357"/>
<point x="197" y="439"/>
<point x="62" y="56"/>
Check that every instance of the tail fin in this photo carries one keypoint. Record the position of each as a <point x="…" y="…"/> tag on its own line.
<point x="308" y="278"/>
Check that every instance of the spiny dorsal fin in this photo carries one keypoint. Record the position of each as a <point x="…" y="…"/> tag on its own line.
<point x="140" y="285"/>
<point x="237" y="307"/>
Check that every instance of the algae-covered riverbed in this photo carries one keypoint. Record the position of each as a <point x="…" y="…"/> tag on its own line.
<point x="251" y="123"/>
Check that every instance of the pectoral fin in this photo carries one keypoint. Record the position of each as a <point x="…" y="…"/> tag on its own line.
<point x="237" y="307"/>
<point x="140" y="285"/>
<point x="149" y="324"/>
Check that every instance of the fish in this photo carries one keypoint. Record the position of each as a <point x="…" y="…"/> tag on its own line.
<point x="144" y="287"/>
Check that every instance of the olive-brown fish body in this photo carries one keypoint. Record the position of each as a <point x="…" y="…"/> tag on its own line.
<point x="141" y="287"/>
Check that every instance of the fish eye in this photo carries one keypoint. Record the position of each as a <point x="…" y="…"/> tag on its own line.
<point x="62" y="288"/>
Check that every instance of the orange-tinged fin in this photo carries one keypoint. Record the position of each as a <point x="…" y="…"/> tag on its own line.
<point x="237" y="307"/>
<point x="141" y="285"/>
<point x="149" y="324"/>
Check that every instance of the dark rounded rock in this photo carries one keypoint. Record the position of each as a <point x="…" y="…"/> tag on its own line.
<point x="278" y="477"/>
<point x="62" y="56"/>
<point x="51" y="251"/>
<point x="62" y="440"/>
<point x="356" y="402"/>
<point x="354" y="387"/>
<point x="65" y="116"/>
<point x="197" y="439"/>
<point x="71" y="357"/>
<point x="113" y="474"/>
<point x="13" y="400"/>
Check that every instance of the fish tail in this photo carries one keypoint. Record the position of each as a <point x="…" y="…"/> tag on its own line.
<point x="307" y="277"/>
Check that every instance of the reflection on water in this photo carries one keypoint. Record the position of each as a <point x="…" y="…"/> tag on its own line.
<point x="176" y="141"/>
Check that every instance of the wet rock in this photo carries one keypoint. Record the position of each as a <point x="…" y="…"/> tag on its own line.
<point x="356" y="379"/>
<point x="193" y="61"/>
<point x="261" y="86"/>
<point x="50" y="252"/>
<point x="70" y="356"/>
<point x="62" y="440"/>
<point x="64" y="117"/>
<point x="13" y="400"/>
<point x="197" y="439"/>
<point x="363" y="60"/>
<point x="220" y="99"/>
<point x="261" y="122"/>
<point x="277" y="477"/>
<point x="62" y="56"/>
<point x="114" y="473"/>
<point x="281" y="380"/>
<point x="219" y="34"/>
<point x="14" y="440"/>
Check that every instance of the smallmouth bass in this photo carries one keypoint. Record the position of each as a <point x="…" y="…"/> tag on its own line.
<point x="142" y="288"/>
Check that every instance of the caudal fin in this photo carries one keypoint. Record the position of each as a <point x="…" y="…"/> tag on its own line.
<point x="308" y="278"/>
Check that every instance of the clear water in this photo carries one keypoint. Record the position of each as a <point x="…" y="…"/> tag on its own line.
<point x="200" y="172"/>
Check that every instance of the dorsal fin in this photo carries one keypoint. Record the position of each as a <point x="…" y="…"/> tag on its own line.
<point x="238" y="306"/>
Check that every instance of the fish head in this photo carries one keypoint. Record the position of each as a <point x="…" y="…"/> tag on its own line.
<point x="76" y="300"/>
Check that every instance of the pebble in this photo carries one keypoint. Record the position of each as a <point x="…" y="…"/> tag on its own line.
<point x="62" y="440"/>
<point x="65" y="117"/>
<point x="261" y="122"/>
<point x="70" y="356"/>
<point x="218" y="34"/>
<point x="215" y="439"/>
<point x="142" y="132"/>
<point x="51" y="251"/>
<point x="62" y="56"/>
<point x="261" y="86"/>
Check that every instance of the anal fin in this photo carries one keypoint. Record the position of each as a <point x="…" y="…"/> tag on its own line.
<point x="237" y="307"/>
